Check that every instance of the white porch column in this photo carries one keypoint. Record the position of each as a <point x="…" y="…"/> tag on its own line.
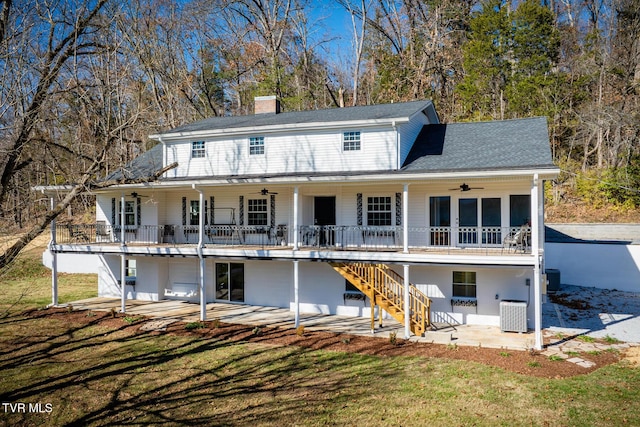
<point x="123" y="260"/>
<point x="54" y="259"/>
<point x="201" y="213"/>
<point x="122" y="221"/>
<point x="536" y="223"/>
<point x="295" y="218"/>
<point x="407" y="306"/>
<point x="296" y="299"/>
<point x="405" y="218"/>
<point x="123" y="283"/>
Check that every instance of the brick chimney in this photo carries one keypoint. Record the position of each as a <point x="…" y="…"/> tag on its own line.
<point x="266" y="104"/>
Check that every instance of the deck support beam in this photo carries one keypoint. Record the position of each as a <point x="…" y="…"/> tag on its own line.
<point x="536" y="224"/>
<point x="54" y="259"/>
<point x="203" y="293"/>
<point x="296" y="298"/>
<point x="123" y="259"/>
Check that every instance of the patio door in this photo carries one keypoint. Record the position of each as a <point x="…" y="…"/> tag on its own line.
<point x="324" y="214"/>
<point x="229" y="281"/>
<point x="468" y="221"/>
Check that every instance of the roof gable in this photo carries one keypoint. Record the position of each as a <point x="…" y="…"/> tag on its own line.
<point x="519" y="143"/>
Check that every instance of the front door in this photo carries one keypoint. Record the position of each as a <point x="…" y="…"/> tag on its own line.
<point x="468" y="221"/>
<point x="324" y="214"/>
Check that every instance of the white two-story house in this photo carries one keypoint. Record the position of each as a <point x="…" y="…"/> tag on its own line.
<point x="339" y="211"/>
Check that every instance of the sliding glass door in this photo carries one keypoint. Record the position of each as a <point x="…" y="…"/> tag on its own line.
<point x="230" y="281"/>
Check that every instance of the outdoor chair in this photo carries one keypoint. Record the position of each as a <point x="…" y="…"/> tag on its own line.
<point x="516" y="240"/>
<point x="76" y="233"/>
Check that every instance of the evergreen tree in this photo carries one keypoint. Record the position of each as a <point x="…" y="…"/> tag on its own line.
<point x="486" y="62"/>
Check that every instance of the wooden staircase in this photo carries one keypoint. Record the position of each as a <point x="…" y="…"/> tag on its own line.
<point x="385" y="288"/>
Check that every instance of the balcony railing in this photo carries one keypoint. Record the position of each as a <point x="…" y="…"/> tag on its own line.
<point x="331" y="237"/>
<point x="448" y="239"/>
<point x="171" y="234"/>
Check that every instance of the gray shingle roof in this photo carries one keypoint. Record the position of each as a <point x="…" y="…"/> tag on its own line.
<point x="141" y="167"/>
<point x="369" y="112"/>
<point x="518" y="143"/>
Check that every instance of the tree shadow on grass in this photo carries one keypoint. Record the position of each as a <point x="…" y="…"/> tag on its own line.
<point x="126" y="377"/>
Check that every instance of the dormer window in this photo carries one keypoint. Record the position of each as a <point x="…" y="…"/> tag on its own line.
<point x="351" y="141"/>
<point x="256" y="145"/>
<point x="197" y="150"/>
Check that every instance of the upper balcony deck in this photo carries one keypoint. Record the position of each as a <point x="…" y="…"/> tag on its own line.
<point x="486" y="245"/>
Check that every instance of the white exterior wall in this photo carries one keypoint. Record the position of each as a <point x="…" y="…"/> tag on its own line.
<point x="150" y="204"/>
<point x="605" y="266"/>
<point x="407" y="134"/>
<point x="151" y="274"/>
<point x="505" y="284"/>
<point x="268" y="283"/>
<point x="72" y="263"/>
<point x="287" y="153"/>
<point x="321" y="289"/>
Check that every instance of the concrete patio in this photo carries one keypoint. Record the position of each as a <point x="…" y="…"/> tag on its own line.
<point x="168" y="311"/>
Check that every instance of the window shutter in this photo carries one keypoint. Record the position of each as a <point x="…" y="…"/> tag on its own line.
<point x="241" y="210"/>
<point x="113" y="211"/>
<point x="212" y="216"/>
<point x="359" y="207"/>
<point x="398" y="208"/>
<point x="272" y="201"/>
<point x="184" y="211"/>
<point x="138" y="212"/>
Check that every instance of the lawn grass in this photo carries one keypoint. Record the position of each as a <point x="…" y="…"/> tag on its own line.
<point x="91" y="374"/>
<point x="26" y="284"/>
<point x="94" y="375"/>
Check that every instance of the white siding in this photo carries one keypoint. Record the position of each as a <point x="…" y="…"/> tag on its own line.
<point x="492" y="286"/>
<point x="407" y="134"/>
<point x="287" y="153"/>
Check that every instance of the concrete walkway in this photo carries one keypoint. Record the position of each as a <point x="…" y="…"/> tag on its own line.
<point x="166" y="312"/>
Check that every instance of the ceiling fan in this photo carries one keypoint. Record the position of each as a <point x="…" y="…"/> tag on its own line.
<point x="264" y="192"/>
<point x="135" y="195"/>
<point x="465" y="187"/>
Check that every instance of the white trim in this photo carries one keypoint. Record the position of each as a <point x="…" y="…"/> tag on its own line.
<point x="279" y="254"/>
<point x="392" y="178"/>
<point x="279" y="128"/>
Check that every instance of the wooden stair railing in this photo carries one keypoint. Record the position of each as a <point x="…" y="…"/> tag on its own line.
<point x="385" y="288"/>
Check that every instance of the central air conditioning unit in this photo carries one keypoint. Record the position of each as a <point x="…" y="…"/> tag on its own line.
<point x="513" y="316"/>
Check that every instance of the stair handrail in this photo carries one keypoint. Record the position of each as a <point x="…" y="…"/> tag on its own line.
<point x="419" y="303"/>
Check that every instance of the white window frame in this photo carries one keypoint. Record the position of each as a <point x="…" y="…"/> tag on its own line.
<point x="256" y="145"/>
<point x="351" y="141"/>
<point x="194" y="212"/>
<point x="378" y="203"/>
<point x="130" y="213"/>
<point x="131" y="267"/>
<point x="470" y="279"/>
<point x="256" y="208"/>
<point x="198" y="150"/>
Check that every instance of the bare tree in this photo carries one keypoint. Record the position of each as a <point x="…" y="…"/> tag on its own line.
<point x="39" y="44"/>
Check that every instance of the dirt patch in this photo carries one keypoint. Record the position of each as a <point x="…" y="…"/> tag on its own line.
<point x="523" y="362"/>
<point x="569" y="301"/>
<point x="633" y="356"/>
